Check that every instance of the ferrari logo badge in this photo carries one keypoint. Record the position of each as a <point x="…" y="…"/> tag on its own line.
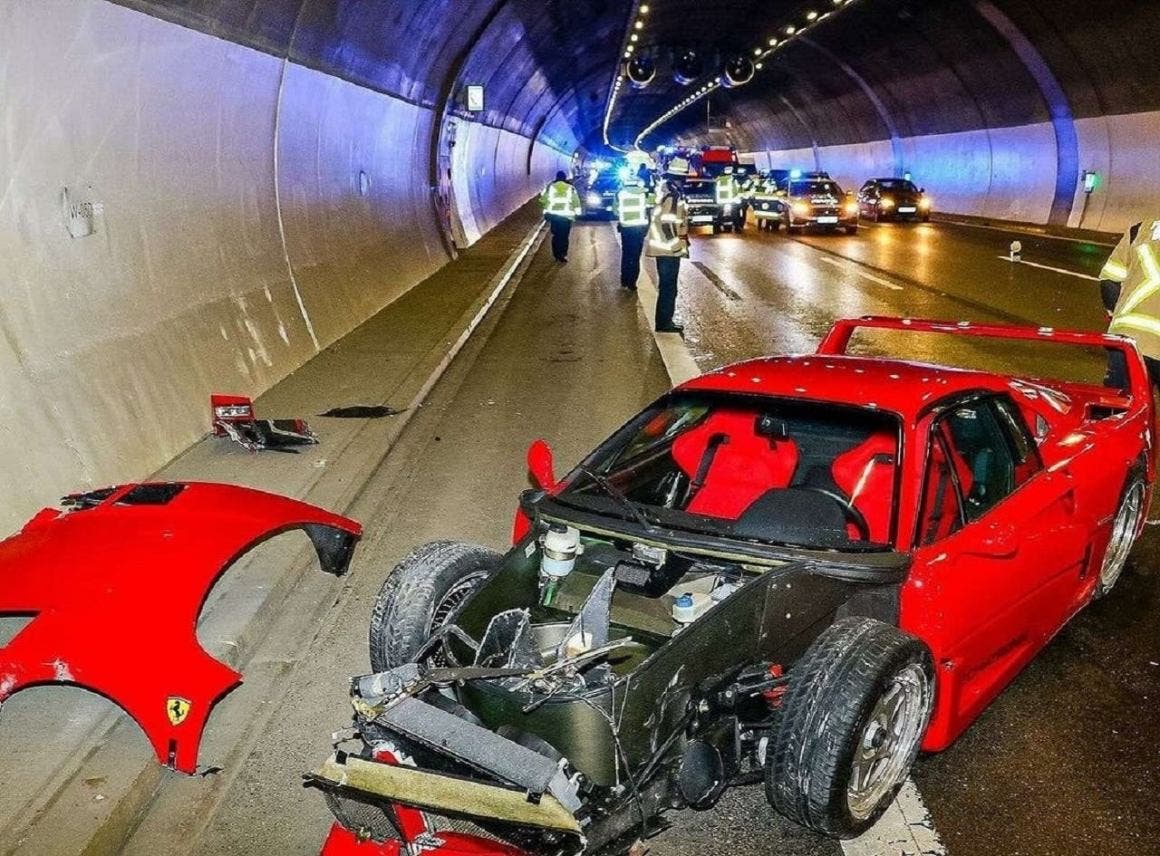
<point x="178" y="709"/>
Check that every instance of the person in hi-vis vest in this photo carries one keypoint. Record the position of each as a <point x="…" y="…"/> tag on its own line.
<point x="632" y="204"/>
<point x="561" y="205"/>
<point x="1130" y="287"/>
<point x="668" y="241"/>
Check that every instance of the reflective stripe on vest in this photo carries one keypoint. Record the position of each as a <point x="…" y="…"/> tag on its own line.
<point x="560" y="200"/>
<point x="631" y="207"/>
<point x="726" y="190"/>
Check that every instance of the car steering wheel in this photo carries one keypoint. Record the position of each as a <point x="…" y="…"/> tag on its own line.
<point x="851" y="512"/>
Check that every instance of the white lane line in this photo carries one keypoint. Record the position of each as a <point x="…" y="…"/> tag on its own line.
<point x="1064" y="271"/>
<point x="852" y="268"/>
<point x="675" y="354"/>
<point x="906" y="828"/>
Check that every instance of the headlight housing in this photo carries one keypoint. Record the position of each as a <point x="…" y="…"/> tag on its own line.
<point x="851" y="208"/>
<point x="886" y="202"/>
<point x="924" y="203"/>
<point x="801" y="209"/>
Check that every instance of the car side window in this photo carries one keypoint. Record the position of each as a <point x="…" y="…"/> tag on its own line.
<point x="1026" y="453"/>
<point x="982" y="454"/>
<point x="942" y="510"/>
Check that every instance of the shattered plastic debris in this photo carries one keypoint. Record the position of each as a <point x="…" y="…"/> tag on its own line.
<point x="233" y="417"/>
<point x="361" y="411"/>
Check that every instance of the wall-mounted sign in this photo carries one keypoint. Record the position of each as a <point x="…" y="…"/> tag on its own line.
<point x="475" y="98"/>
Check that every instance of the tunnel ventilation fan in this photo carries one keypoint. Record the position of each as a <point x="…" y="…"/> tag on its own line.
<point x="640" y="71"/>
<point x="739" y="70"/>
<point x="687" y="66"/>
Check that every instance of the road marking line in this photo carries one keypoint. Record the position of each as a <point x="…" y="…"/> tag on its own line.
<point x="832" y="261"/>
<point x="906" y="828"/>
<point x="1049" y="267"/>
<point x="718" y="283"/>
<point x="675" y="354"/>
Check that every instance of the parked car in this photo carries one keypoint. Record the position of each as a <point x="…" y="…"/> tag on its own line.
<point x="795" y="570"/>
<point x="894" y="199"/>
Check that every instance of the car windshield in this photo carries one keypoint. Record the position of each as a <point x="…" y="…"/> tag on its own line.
<point x="812" y="188"/>
<point x="760" y="469"/>
<point x="897" y="185"/>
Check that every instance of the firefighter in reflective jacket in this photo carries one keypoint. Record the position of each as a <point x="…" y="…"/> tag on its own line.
<point x="632" y="204"/>
<point x="728" y="199"/>
<point x="1130" y="287"/>
<point x="561" y="205"/>
<point x="668" y="241"/>
<point x="766" y="209"/>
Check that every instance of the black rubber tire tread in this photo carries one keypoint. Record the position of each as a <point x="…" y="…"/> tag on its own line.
<point x="406" y="602"/>
<point x="832" y="690"/>
<point x="1135" y="474"/>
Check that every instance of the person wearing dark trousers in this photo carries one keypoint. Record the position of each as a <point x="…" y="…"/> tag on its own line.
<point x="632" y="216"/>
<point x="561" y="205"/>
<point x="668" y="242"/>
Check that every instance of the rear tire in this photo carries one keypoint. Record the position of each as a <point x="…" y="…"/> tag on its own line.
<point x="1126" y="526"/>
<point x="859" y="701"/>
<point x="421" y="594"/>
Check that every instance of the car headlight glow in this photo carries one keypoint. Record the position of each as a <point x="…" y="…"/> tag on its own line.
<point x="924" y="202"/>
<point x="594" y="199"/>
<point x="885" y="202"/>
<point x="851" y="207"/>
<point x="801" y="209"/>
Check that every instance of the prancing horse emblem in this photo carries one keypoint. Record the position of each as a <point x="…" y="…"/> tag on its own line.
<point x="178" y="709"/>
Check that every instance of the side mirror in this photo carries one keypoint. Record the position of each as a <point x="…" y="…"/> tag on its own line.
<point x="541" y="466"/>
<point x="922" y="190"/>
<point x="996" y="541"/>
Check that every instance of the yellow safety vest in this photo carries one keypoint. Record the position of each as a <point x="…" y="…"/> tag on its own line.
<point x="632" y="207"/>
<point x="560" y="199"/>
<point x="1135" y="264"/>
<point x="726" y="189"/>
<point x="668" y="227"/>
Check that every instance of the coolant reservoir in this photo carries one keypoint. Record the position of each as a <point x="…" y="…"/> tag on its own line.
<point x="560" y="548"/>
<point x="688" y="607"/>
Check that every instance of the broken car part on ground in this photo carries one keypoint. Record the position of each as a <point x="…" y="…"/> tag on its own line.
<point x="109" y="592"/>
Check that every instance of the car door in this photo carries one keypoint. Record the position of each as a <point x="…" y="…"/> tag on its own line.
<point x="998" y="556"/>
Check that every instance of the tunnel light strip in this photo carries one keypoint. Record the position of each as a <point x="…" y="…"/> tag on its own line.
<point x="633" y="31"/>
<point x="774" y="44"/>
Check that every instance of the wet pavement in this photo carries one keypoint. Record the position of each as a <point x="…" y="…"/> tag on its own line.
<point x="1066" y="760"/>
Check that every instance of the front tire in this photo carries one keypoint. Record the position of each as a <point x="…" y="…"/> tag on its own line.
<point x="859" y="702"/>
<point x="422" y="592"/>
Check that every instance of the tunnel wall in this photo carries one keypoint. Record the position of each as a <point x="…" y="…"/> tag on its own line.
<point x="183" y="214"/>
<point x="1009" y="173"/>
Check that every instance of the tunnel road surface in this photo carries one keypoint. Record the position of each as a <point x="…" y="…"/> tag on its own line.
<point x="1064" y="762"/>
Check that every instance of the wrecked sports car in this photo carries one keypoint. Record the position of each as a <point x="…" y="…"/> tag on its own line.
<point x="798" y="571"/>
<point x="108" y="593"/>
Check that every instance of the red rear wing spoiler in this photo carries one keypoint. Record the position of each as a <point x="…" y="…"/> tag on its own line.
<point x="837" y="340"/>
